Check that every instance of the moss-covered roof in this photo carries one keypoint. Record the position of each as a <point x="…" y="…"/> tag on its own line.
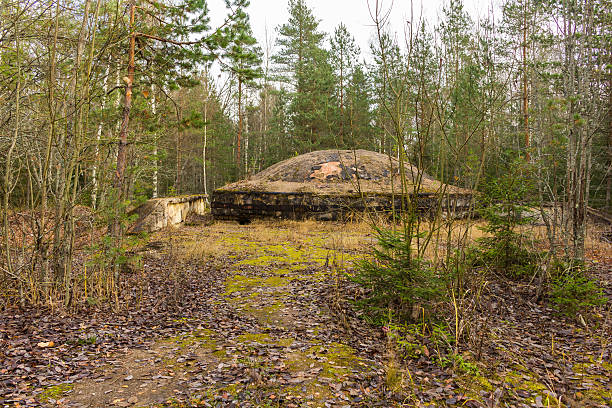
<point x="339" y="172"/>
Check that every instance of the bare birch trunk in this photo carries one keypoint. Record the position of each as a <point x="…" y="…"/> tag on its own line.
<point x="155" y="150"/>
<point x="205" y="145"/>
<point x="41" y="244"/>
<point x="525" y="89"/>
<point x="238" y="152"/>
<point x="246" y="146"/>
<point x="609" y="170"/>
<point x="94" y="170"/>
<point x="8" y="165"/>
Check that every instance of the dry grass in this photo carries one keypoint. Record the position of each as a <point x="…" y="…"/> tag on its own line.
<point x="468" y="232"/>
<point x="225" y="238"/>
<point x="208" y="247"/>
<point x="228" y="238"/>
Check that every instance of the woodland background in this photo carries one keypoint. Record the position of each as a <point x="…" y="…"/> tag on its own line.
<point x="469" y="102"/>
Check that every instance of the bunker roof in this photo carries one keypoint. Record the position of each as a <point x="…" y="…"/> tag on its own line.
<point x="340" y="172"/>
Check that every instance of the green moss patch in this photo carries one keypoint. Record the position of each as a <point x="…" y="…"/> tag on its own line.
<point x="202" y="338"/>
<point x="336" y="360"/>
<point x="54" y="392"/>
<point x="254" y="337"/>
<point x="596" y="388"/>
<point x="241" y="283"/>
<point x="267" y="314"/>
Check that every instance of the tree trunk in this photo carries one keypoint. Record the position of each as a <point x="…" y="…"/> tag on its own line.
<point x="205" y="145"/>
<point x="238" y="155"/>
<point x="9" y="158"/>
<point x="179" y="166"/>
<point x="155" y="152"/>
<point x="609" y="170"/>
<point x="204" y="179"/>
<point x="94" y="170"/>
<point x="119" y="184"/>
<point x="42" y="245"/>
<point x="127" y="107"/>
<point x="525" y="94"/>
<point x="341" y="97"/>
<point x="246" y="146"/>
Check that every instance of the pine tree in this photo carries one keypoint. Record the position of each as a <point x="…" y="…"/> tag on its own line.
<point x="303" y="64"/>
<point x="423" y="65"/>
<point x="344" y="54"/>
<point x="358" y="115"/>
<point x="386" y="74"/>
<point x="245" y="63"/>
<point x="461" y="81"/>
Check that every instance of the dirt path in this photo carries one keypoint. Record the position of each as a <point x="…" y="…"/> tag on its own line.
<point x="259" y="316"/>
<point x="272" y="339"/>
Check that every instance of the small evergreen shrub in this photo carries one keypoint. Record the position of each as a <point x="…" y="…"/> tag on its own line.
<point x="505" y="249"/>
<point x="107" y="256"/>
<point x="573" y="293"/>
<point x="459" y="363"/>
<point x="395" y="280"/>
<point x="424" y="338"/>
<point x="432" y="340"/>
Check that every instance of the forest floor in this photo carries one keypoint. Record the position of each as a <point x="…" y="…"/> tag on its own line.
<point x="225" y="315"/>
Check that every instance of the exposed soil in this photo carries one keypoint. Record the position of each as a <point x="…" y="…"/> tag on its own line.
<point x="260" y="316"/>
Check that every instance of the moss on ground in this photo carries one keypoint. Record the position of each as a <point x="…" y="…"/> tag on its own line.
<point x="254" y="337"/>
<point x="596" y="390"/>
<point x="336" y="360"/>
<point x="241" y="283"/>
<point x="260" y="271"/>
<point x="203" y="338"/>
<point x="54" y="392"/>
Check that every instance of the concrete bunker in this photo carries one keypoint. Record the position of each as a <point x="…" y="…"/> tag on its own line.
<point x="333" y="185"/>
<point x="158" y="213"/>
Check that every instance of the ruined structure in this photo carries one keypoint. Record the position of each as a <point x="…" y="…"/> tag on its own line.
<point x="158" y="213"/>
<point x="333" y="184"/>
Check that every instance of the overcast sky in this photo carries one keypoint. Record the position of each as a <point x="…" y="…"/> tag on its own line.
<point x="353" y="13"/>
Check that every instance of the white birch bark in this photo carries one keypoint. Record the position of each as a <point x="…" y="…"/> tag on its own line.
<point x="94" y="170"/>
<point x="155" y="149"/>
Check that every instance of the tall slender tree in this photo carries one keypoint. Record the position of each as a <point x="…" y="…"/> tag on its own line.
<point x="303" y="64"/>
<point x="245" y="64"/>
<point x="344" y="55"/>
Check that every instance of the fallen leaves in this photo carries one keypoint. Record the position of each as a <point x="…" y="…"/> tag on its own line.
<point x="269" y="355"/>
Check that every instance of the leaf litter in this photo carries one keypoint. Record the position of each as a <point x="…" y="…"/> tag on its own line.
<point x="257" y="326"/>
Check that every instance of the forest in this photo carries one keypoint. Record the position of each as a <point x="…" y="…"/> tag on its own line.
<point x="105" y="104"/>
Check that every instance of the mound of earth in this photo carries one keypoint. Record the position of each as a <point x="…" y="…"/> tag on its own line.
<point x="340" y="172"/>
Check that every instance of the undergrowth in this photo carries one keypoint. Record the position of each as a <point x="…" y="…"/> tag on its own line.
<point x="505" y="250"/>
<point x="396" y="281"/>
<point x="427" y="308"/>
<point x="572" y="292"/>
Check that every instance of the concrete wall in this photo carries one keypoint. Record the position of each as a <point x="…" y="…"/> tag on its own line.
<point x="243" y="206"/>
<point x="158" y="213"/>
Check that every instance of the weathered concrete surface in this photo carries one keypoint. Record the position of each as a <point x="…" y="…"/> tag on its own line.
<point x="158" y="213"/>
<point x="339" y="172"/>
<point x="247" y="205"/>
<point x="334" y="184"/>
